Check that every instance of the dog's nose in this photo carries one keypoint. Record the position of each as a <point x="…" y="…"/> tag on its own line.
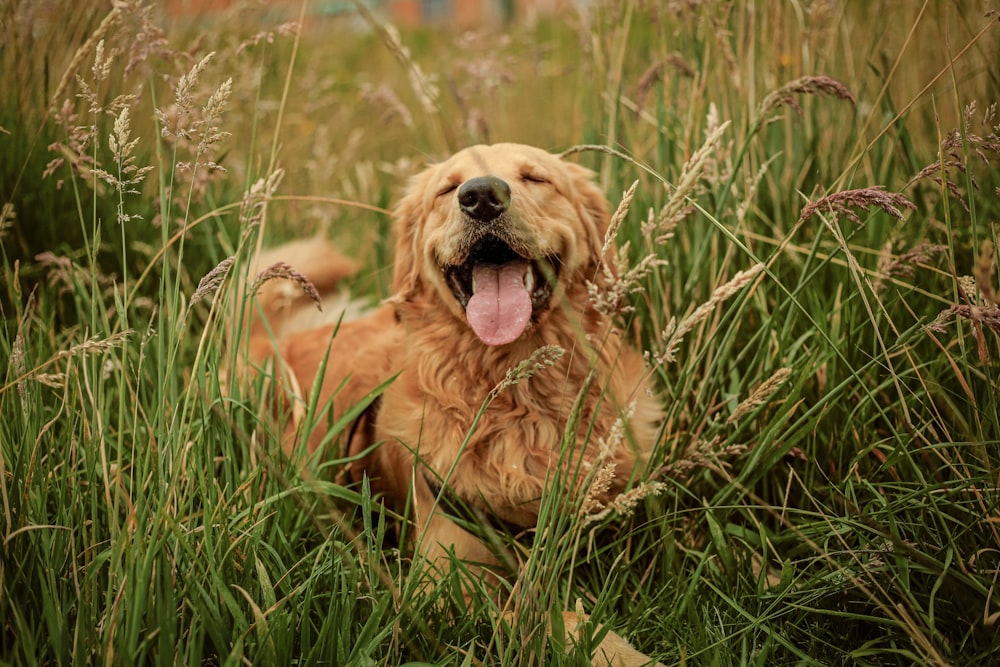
<point x="484" y="198"/>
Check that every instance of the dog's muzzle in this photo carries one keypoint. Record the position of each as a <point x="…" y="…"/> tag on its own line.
<point x="498" y="284"/>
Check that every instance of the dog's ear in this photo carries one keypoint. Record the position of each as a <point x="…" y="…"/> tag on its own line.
<point x="593" y="209"/>
<point x="407" y="222"/>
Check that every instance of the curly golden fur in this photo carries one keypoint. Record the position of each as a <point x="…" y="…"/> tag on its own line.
<point x="493" y="250"/>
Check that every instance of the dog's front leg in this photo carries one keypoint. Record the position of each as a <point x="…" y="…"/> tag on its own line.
<point x="436" y="538"/>
<point x="612" y="651"/>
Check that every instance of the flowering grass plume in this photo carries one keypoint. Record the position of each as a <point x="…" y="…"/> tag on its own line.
<point x="675" y="331"/>
<point x="655" y="73"/>
<point x="806" y="85"/>
<point x="622" y="277"/>
<point x="845" y="201"/>
<point x="761" y="395"/>
<point x="981" y="304"/>
<point x="903" y="265"/>
<point x="984" y="143"/>
<point x="212" y="280"/>
<point x="253" y="208"/>
<point x="129" y="175"/>
<point x="422" y="84"/>
<point x="699" y="454"/>
<point x="678" y="205"/>
<point x="7" y="217"/>
<point x="602" y="474"/>
<point x="283" y="271"/>
<point x="624" y="504"/>
<point x="619" y="277"/>
<point x="93" y="345"/>
<point x="544" y="357"/>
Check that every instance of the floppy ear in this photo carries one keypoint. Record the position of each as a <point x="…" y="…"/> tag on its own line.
<point x="592" y="207"/>
<point x="407" y="221"/>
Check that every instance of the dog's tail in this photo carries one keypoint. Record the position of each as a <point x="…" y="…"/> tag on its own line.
<point x="299" y="286"/>
<point x="292" y="287"/>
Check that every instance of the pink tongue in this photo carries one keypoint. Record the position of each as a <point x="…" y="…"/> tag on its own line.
<point x="500" y="308"/>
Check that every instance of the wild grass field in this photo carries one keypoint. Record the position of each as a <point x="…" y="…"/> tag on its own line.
<point x="808" y="241"/>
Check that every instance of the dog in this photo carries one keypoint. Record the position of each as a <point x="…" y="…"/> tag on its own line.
<point x="494" y="250"/>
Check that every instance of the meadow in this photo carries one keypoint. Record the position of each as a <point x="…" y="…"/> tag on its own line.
<point x="809" y="199"/>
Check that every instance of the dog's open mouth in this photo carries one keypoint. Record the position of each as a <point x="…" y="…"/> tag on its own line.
<point x="500" y="290"/>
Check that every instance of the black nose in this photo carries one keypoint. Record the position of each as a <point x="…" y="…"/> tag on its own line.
<point x="484" y="198"/>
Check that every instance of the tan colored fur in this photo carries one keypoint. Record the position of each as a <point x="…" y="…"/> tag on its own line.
<point x="446" y="372"/>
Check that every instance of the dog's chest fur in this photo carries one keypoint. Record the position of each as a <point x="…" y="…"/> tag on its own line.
<point x="498" y="450"/>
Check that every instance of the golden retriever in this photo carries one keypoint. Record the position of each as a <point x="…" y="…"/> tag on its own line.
<point x="493" y="251"/>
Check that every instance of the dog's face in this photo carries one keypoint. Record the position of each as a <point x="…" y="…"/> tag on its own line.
<point x="495" y="233"/>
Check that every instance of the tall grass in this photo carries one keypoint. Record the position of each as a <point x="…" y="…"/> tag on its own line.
<point x="807" y="258"/>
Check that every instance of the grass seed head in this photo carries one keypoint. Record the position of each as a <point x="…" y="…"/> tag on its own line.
<point x="904" y="265"/>
<point x="699" y="454"/>
<point x="806" y="85"/>
<point x="7" y="217"/>
<point x="678" y="205"/>
<point x="761" y="395"/>
<point x="674" y="333"/>
<point x="544" y="357"/>
<point x="985" y="268"/>
<point x="212" y="280"/>
<point x="981" y="306"/>
<point x="845" y="201"/>
<point x="283" y="271"/>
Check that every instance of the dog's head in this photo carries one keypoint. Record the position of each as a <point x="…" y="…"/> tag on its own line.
<point x="497" y="234"/>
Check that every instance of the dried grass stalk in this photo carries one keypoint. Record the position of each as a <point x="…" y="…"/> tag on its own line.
<point x="761" y="395"/>
<point x="806" y="85"/>
<point x="890" y="266"/>
<point x="981" y="308"/>
<point x="675" y="332"/>
<point x="843" y="202"/>
<point x="544" y="357"/>
<point x="212" y="280"/>
<point x="281" y="270"/>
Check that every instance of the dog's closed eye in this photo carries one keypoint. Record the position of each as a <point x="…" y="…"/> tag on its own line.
<point x="533" y="177"/>
<point x="447" y="189"/>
